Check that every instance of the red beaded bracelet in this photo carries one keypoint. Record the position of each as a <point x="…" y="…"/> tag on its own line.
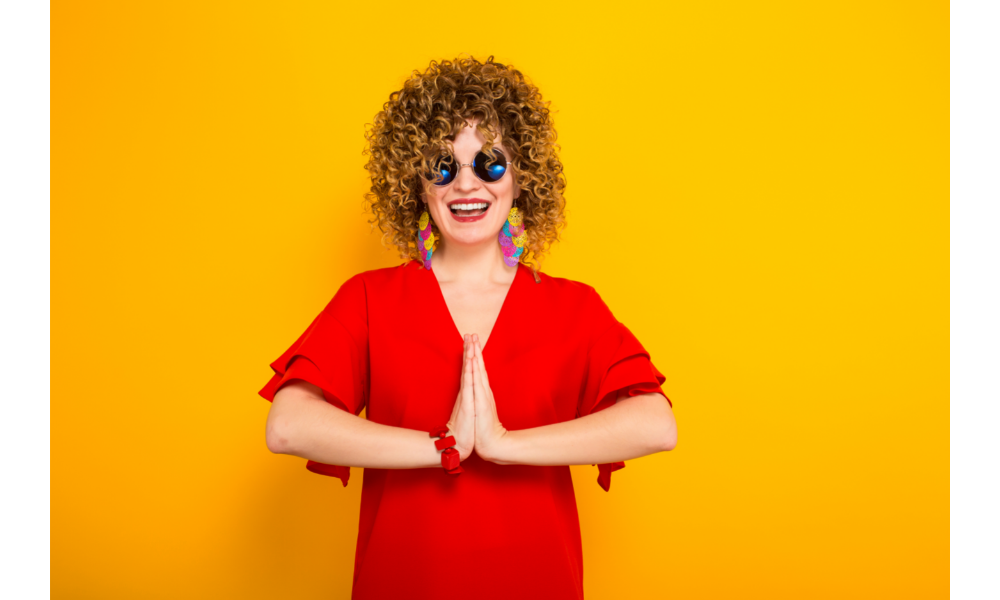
<point x="450" y="458"/>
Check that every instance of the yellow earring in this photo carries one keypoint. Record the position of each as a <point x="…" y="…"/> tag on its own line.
<point x="512" y="238"/>
<point x="425" y="239"/>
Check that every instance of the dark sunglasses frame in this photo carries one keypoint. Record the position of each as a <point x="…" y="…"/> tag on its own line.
<point x="479" y="163"/>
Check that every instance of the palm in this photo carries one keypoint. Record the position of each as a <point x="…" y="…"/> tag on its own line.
<point x="463" y="416"/>
<point x="489" y="430"/>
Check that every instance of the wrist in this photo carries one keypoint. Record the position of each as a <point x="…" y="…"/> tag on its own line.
<point x="464" y="450"/>
<point x="503" y="449"/>
<point x="445" y="444"/>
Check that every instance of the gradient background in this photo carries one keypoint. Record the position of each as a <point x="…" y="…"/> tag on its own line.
<point x="759" y="192"/>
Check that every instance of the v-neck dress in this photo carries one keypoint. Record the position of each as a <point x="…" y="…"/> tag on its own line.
<point x="387" y="342"/>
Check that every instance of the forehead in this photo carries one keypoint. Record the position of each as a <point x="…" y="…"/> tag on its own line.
<point x="469" y="137"/>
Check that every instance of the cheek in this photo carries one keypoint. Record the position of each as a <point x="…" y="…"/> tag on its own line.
<point x="507" y="191"/>
<point x="512" y="193"/>
<point x="431" y="201"/>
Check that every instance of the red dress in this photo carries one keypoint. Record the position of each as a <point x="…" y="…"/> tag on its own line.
<point x="386" y="341"/>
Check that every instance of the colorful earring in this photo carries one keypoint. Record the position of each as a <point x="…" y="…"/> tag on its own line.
<point x="513" y="238"/>
<point x="425" y="239"/>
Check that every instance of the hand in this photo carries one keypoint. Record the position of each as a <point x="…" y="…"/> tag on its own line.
<point x="489" y="431"/>
<point x="462" y="423"/>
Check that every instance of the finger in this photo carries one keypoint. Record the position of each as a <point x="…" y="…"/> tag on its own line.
<point x="477" y="355"/>
<point x="486" y="407"/>
<point x="482" y="361"/>
<point x="483" y="379"/>
<point x="468" y="377"/>
<point x="467" y="367"/>
<point x="477" y="364"/>
<point x="480" y="394"/>
<point x="465" y="346"/>
<point x="461" y="401"/>
<point x="468" y="353"/>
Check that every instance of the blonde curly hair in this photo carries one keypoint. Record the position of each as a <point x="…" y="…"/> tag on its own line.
<point x="415" y="125"/>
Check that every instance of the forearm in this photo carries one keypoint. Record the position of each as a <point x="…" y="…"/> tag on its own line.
<point x="633" y="427"/>
<point x="316" y="430"/>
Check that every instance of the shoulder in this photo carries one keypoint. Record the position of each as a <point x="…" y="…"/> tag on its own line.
<point x="362" y="294"/>
<point x="385" y="275"/>
<point x="378" y="278"/>
<point x="364" y="287"/>
<point x="565" y="288"/>
<point x="579" y="298"/>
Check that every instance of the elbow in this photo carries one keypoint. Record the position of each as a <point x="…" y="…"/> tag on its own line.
<point x="275" y="437"/>
<point x="669" y="441"/>
<point x="659" y="428"/>
<point x="668" y="432"/>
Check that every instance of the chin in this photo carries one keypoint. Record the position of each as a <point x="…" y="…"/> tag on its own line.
<point x="472" y="234"/>
<point x="474" y="238"/>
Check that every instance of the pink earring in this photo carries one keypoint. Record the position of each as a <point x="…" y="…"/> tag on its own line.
<point x="425" y="239"/>
<point x="513" y="238"/>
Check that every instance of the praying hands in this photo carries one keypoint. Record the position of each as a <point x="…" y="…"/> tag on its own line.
<point x="474" y="421"/>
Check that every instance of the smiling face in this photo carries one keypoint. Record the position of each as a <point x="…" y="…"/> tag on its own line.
<point x="485" y="205"/>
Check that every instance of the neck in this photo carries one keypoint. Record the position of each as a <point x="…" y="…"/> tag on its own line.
<point x="471" y="264"/>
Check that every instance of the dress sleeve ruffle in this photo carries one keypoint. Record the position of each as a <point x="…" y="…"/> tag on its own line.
<point x="333" y="356"/>
<point x="616" y="362"/>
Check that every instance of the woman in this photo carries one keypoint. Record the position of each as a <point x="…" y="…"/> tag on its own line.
<point x="466" y="445"/>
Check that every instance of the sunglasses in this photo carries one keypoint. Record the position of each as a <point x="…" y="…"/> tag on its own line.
<point x="490" y="173"/>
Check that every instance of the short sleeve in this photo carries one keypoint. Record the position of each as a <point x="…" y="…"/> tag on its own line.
<point x="616" y="361"/>
<point x="331" y="354"/>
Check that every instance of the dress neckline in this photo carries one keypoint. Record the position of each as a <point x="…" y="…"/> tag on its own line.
<point x="519" y="274"/>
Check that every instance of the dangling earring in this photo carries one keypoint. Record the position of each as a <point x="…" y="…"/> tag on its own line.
<point x="513" y="238"/>
<point x="425" y="239"/>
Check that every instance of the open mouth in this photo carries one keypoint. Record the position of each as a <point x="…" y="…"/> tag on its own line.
<point x="469" y="209"/>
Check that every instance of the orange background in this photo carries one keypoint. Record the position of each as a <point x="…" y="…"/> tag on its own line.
<point x="759" y="191"/>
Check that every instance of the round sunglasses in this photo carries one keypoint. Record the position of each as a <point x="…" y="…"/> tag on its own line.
<point x="490" y="173"/>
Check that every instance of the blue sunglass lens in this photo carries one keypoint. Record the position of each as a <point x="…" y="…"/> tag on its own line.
<point x="445" y="170"/>
<point x="444" y="167"/>
<point x="490" y="172"/>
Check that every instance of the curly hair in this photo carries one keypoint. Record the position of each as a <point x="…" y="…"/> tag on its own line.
<point x="415" y="125"/>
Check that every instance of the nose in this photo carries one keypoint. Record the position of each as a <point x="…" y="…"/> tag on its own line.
<point x="466" y="180"/>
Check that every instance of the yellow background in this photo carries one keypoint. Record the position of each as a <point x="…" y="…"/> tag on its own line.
<point x="759" y="191"/>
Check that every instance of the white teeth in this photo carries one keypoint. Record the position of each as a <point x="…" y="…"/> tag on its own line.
<point x="472" y="206"/>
